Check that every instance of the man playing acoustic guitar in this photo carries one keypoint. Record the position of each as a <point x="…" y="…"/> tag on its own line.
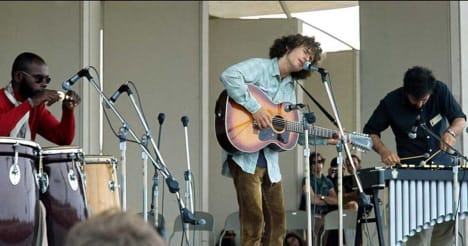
<point x="256" y="174"/>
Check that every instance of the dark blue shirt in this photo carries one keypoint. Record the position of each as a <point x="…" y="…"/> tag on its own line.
<point x="395" y="110"/>
<point x="321" y="187"/>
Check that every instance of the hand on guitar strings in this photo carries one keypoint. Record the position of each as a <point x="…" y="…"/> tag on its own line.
<point x="262" y="119"/>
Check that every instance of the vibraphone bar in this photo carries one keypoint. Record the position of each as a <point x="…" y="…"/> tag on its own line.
<point x="418" y="198"/>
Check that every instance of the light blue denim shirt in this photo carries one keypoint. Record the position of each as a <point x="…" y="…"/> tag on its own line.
<point x="263" y="73"/>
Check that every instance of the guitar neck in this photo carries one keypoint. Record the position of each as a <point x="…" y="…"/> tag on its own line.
<point x="316" y="130"/>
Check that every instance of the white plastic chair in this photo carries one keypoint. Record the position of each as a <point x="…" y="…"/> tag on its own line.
<point x="231" y="224"/>
<point x="296" y="220"/>
<point x="331" y="222"/>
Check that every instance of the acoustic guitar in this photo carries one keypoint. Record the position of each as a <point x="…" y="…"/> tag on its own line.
<point x="236" y="130"/>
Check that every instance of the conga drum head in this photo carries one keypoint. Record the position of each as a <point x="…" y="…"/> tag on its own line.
<point x="101" y="183"/>
<point x="64" y="199"/>
<point x="19" y="201"/>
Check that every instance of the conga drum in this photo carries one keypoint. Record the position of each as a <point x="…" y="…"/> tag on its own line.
<point x="101" y="183"/>
<point x="64" y="199"/>
<point x="19" y="201"/>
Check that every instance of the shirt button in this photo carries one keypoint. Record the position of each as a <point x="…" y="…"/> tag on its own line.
<point x="430" y="150"/>
<point x="428" y="137"/>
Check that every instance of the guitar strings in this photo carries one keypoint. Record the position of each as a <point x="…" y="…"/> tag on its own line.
<point x="297" y="126"/>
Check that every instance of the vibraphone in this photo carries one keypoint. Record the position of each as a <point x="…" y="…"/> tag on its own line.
<point x="418" y="198"/>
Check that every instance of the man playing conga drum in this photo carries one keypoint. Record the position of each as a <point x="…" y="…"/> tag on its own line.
<point x="23" y="115"/>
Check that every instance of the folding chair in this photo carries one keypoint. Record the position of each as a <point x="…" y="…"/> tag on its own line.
<point x="231" y="224"/>
<point x="331" y="222"/>
<point x="296" y="220"/>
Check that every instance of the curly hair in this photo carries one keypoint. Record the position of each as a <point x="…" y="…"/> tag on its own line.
<point x="418" y="82"/>
<point x="282" y="45"/>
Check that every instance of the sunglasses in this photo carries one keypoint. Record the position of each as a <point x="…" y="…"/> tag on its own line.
<point x="38" y="78"/>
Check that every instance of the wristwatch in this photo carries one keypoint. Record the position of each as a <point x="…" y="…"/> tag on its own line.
<point x="451" y="132"/>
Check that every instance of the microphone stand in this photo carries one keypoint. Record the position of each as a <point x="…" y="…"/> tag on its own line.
<point x="188" y="172"/>
<point x="155" y="190"/>
<point x="187" y="215"/>
<point x="144" y="157"/>
<point x="172" y="184"/>
<point x="364" y="201"/>
<point x="339" y="161"/>
<point x="308" y="118"/>
<point x="456" y="185"/>
<point x="123" y="160"/>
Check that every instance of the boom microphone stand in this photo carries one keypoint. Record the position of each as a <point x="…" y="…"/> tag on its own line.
<point x="364" y="201"/>
<point x="160" y="165"/>
<point x="188" y="173"/>
<point x="173" y="185"/>
<point x="309" y="118"/>
<point x="155" y="190"/>
<point x="144" y="157"/>
<point x="123" y="131"/>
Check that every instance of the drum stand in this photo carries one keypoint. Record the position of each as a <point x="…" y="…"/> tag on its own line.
<point x="309" y="118"/>
<point x="456" y="185"/>
<point x="364" y="202"/>
<point x="172" y="184"/>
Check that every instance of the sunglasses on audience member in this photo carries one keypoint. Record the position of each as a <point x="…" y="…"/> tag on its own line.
<point x="318" y="161"/>
<point x="38" y="78"/>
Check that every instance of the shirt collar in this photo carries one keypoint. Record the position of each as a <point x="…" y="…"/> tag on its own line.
<point x="275" y="72"/>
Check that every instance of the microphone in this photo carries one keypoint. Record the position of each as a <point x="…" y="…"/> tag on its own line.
<point x="123" y="88"/>
<point x="161" y="118"/>
<point x="67" y="84"/>
<point x="188" y="217"/>
<point x="185" y="120"/>
<point x="413" y="132"/>
<point x="200" y="222"/>
<point x="309" y="67"/>
<point x="290" y="107"/>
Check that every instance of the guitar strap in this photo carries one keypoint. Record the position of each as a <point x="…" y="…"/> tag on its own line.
<point x="329" y="116"/>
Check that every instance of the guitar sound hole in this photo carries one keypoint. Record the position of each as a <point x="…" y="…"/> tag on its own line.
<point x="278" y="124"/>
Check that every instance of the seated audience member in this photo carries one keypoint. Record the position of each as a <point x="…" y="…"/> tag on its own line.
<point x="322" y="195"/>
<point x="351" y="194"/>
<point x="114" y="228"/>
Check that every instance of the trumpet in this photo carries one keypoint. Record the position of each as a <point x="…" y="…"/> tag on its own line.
<point x="62" y="96"/>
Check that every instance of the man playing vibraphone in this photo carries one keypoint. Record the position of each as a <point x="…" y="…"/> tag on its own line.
<point x="421" y="100"/>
